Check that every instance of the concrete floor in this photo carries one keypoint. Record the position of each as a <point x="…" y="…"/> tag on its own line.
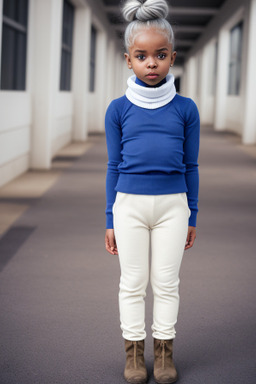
<point x="59" y="321"/>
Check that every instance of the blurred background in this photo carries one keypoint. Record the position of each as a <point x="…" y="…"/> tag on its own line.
<point x="61" y="63"/>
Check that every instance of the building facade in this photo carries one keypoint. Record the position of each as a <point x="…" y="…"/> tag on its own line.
<point x="219" y="73"/>
<point x="61" y="64"/>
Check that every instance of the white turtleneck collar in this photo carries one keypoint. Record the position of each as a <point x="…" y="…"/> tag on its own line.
<point x="148" y="97"/>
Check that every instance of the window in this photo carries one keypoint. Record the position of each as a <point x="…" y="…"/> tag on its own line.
<point x="177" y="84"/>
<point x="14" y="45"/>
<point x="93" y="59"/>
<point x="236" y="34"/>
<point x="66" y="48"/>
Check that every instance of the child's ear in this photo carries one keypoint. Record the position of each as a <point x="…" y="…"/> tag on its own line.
<point x="128" y="60"/>
<point x="174" y="54"/>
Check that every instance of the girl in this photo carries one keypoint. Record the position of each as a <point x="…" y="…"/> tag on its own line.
<point x="152" y="183"/>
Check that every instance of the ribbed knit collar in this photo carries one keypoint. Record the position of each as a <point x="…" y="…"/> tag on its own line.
<point x="148" y="97"/>
<point x="140" y="82"/>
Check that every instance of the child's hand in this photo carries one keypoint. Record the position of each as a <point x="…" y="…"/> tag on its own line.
<point x="191" y="236"/>
<point x="110" y="242"/>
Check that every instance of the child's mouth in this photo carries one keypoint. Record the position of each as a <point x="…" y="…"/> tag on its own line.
<point x="152" y="75"/>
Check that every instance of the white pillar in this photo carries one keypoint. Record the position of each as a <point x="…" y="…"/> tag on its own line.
<point x="120" y="61"/>
<point x="249" y="128"/>
<point x="183" y="89"/>
<point x="126" y="73"/>
<point x="191" y="78"/>
<point x="222" y="80"/>
<point x="111" y="72"/>
<point x="47" y="30"/>
<point x="80" y="71"/>
<point x="204" y="84"/>
<point x="100" y="80"/>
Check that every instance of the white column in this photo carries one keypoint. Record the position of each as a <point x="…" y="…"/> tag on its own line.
<point x="183" y="90"/>
<point x="47" y="30"/>
<point x="249" y="129"/>
<point x="204" y="84"/>
<point x="126" y="73"/>
<point x="100" y="80"/>
<point x="222" y="80"/>
<point x="80" y="71"/>
<point x="191" y="77"/>
<point x="119" y="89"/>
<point x="111" y="72"/>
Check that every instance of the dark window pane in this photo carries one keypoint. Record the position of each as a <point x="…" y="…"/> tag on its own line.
<point x="68" y="72"/>
<point x="16" y="10"/>
<point x="235" y="59"/>
<point x="9" y="9"/>
<point x="8" y="58"/>
<point x="177" y="84"/>
<point x="92" y="59"/>
<point x="66" y="52"/>
<point x="21" y="61"/>
<point x="22" y="7"/>
<point x="14" y="41"/>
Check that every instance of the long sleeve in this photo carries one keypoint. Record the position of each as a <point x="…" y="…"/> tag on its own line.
<point x="113" y="139"/>
<point x="191" y="151"/>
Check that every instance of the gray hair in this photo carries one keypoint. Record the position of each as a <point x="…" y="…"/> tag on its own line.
<point x="145" y="15"/>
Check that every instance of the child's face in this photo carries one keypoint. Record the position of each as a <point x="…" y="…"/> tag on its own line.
<point x="151" y="56"/>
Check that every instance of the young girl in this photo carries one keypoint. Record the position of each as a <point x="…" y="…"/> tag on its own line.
<point x="152" y="182"/>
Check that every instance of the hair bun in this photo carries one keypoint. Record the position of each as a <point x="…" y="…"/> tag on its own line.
<point x="145" y="10"/>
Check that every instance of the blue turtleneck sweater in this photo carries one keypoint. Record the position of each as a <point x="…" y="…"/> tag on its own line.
<point x="152" y="151"/>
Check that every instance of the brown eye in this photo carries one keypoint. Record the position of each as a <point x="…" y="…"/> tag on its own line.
<point x="161" y="56"/>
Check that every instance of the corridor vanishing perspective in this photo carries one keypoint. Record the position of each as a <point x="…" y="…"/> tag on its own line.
<point x="61" y="64"/>
<point x="59" y="319"/>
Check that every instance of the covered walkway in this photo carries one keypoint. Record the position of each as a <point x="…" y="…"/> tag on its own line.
<point x="58" y="287"/>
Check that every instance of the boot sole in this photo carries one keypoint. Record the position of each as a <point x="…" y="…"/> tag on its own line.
<point x="131" y="381"/>
<point x="166" y="382"/>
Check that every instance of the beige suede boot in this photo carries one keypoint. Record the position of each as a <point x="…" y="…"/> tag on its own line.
<point x="164" y="369"/>
<point x="135" y="370"/>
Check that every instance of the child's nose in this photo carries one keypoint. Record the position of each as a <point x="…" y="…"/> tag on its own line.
<point x="152" y="63"/>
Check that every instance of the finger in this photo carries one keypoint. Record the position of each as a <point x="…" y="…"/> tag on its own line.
<point x="187" y="241"/>
<point x="107" y="245"/>
<point x="190" y="241"/>
<point x="110" y="246"/>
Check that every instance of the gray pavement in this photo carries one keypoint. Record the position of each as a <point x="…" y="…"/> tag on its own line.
<point x="59" y="321"/>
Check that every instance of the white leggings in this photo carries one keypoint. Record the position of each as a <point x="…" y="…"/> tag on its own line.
<point x="163" y="219"/>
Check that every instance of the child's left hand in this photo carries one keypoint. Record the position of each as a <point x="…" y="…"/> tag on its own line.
<point x="191" y="236"/>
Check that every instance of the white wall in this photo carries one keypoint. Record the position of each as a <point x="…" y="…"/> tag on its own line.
<point x="15" y="129"/>
<point x="249" y="127"/>
<point x="36" y="123"/>
<point x="236" y="113"/>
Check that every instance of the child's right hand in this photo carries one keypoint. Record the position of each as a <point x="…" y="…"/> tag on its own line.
<point x="110" y="242"/>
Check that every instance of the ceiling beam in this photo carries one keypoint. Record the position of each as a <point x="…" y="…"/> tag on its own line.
<point x="184" y="43"/>
<point x="177" y="28"/>
<point x="181" y="54"/>
<point x="188" y="29"/>
<point x="174" y="11"/>
<point x="195" y="11"/>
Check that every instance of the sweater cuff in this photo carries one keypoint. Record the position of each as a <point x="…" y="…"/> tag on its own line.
<point x="109" y="221"/>
<point x="192" y="218"/>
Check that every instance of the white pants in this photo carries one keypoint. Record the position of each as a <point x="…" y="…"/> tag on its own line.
<point x="162" y="221"/>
